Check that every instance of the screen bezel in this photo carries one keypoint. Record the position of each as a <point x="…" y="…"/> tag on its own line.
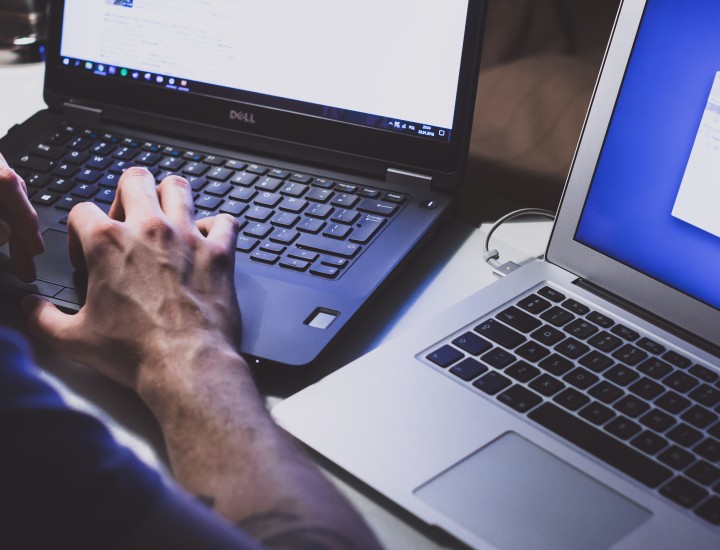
<point x="645" y="292"/>
<point x="63" y="84"/>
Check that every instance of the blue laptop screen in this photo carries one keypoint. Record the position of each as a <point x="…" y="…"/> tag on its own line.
<point x="654" y="202"/>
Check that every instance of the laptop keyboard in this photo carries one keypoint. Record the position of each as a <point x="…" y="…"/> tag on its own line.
<point x="300" y="222"/>
<point x="615" y="392"/>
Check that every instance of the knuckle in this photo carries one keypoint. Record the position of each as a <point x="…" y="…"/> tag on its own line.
<point x="134" y="172"/>
<point x="156" y="228"/>
<point x="8" y="177"/>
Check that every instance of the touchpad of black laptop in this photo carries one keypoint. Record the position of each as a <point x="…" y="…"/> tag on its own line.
<point x="54" y="265"/>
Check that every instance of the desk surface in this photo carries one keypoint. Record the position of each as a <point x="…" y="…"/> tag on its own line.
<point x="449" y="271"/>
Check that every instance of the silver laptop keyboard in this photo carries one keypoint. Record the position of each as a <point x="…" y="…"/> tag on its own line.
<point x="620" y="395"/>
<point x="300" y="222"/>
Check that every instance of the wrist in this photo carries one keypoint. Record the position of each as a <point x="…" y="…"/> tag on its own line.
<point x="190" y="375"/>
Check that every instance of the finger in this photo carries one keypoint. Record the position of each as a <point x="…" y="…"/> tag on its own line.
<point x="47" y="324"/>
<point x="84" y="220"/>
<point x="18" y="211"/>
<point x="136" y="196"/>
<point x="222" y="230"/>
<point x="177" y="202"/>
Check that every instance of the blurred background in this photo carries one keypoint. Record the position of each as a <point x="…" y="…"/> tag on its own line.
<point x="23" y="25"/>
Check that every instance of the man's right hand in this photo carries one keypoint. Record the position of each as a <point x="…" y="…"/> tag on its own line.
<point x="159" y="286"/>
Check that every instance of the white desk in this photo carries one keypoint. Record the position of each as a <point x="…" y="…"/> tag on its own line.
<point x="451" y="270"/>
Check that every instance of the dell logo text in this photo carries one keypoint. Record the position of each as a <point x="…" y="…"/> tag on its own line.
<point x="241" y="116"/>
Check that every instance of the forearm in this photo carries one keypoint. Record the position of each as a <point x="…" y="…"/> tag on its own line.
<point x="224" y="448"/>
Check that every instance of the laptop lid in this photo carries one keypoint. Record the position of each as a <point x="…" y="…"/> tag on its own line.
<point x="374" y="84"/>
<point x="638" y="219"/>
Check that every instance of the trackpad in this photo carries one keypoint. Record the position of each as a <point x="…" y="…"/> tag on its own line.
<point x="515" y="495"/>
<point x="54" y="265"/>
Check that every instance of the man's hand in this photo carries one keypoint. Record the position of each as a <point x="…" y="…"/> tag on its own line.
<point x="160" y="287"/>
<point x="161" y="316"/>
<point x="18" y="223"/>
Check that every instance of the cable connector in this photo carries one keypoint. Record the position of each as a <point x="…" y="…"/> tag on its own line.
<point x="506" y="268"/>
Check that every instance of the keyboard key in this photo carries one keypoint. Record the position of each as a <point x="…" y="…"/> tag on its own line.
<point x="45" y="199"/>
<point x="581" y="329"/>
<point x="532" y="351"/>
<point x="601" y="445"/>
<point x="492" y="383"/>
<point x="246" y="243"/>
<point x="672" y="402"/>
<point x="445" y="356"/>
<point x="326" y="271"/>
<point x="372" y="206"/>
<point x="264" y="257"/>
<point x="622" y="427"/>
<point x="498" y="358"/>
<point x="34" y="163"/>
<point x="699" y="417"/>
<point x="600" y="319"/>
<point x="571" y="399"/>
<point x="631" y="406"/>
<point x="551" y="294"/>
<point x="534" y="304"/>
<point x="597" y="414"/>
<point x="630" y="355"/>
<point x="557" y="316"/>
<point x="677" y="360"/>
<point x="500" y="334"/>
<point x="621" y="375"/>
<point x="703" y="472"/>
<point x="546" y="385"/>
<point x="596" y="361"/>
<point x="548" y="335"/>
<point x="684" y="435"/>
<point x="522" y="371"/>
<point x="606" y="392"/>
<point x="345" y="200"/>
<point x="580" y="378"/>
<point x="676" y="458"/>
<point x="605" y="341"/>
<point x="520" y="399"/>
<point x="367" y="228"/>
<point x="518" y="319"/>
<point x="328" y="246"/>
<point x="572" y="348"/>
<point x="655" y="368"/>
<point x="705" y="395"/>
<point x="556" y="365"/>
<point x="468" y="369"/>
<point x="704" y="373"/>
<point x="657" y="420"/>
<point x="625" y="333"/>
<point x="651" y="346"/>
<point x="709" y="449"/>
<point x="710" y="510"/>
<point x="649" y="442"/>
<point x="646" y="388"/>
<point x="684" y="492"/>
<point x="576" y="307"/>
<point x="472" y="343"/>
<point x="680" y="382"/>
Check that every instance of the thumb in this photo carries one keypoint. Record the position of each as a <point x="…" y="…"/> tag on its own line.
<point x="47" y="324"/>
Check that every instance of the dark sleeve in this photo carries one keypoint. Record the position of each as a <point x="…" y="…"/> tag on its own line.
<point x="65" y="482"/>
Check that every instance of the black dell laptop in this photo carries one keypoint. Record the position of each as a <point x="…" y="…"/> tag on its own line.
<point x="337" y="134"/>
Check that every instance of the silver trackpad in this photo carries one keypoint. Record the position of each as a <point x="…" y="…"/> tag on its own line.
<point x="515" y="495"/>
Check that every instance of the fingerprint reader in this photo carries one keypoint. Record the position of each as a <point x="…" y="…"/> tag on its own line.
<point x="322" y="318"/>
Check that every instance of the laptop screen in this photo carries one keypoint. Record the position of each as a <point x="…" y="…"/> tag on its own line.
<point x="393" y="65"/>
<point x="654" y="202"/>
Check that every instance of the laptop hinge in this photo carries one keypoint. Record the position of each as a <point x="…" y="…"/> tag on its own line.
<point x="403" y="177"/>
<point x="82" y="113"/>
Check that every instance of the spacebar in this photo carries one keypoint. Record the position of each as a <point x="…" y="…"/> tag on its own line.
<point x="601" y="445"/>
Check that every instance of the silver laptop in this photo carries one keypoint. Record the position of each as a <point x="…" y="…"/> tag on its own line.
<point x="573" y="404"/>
